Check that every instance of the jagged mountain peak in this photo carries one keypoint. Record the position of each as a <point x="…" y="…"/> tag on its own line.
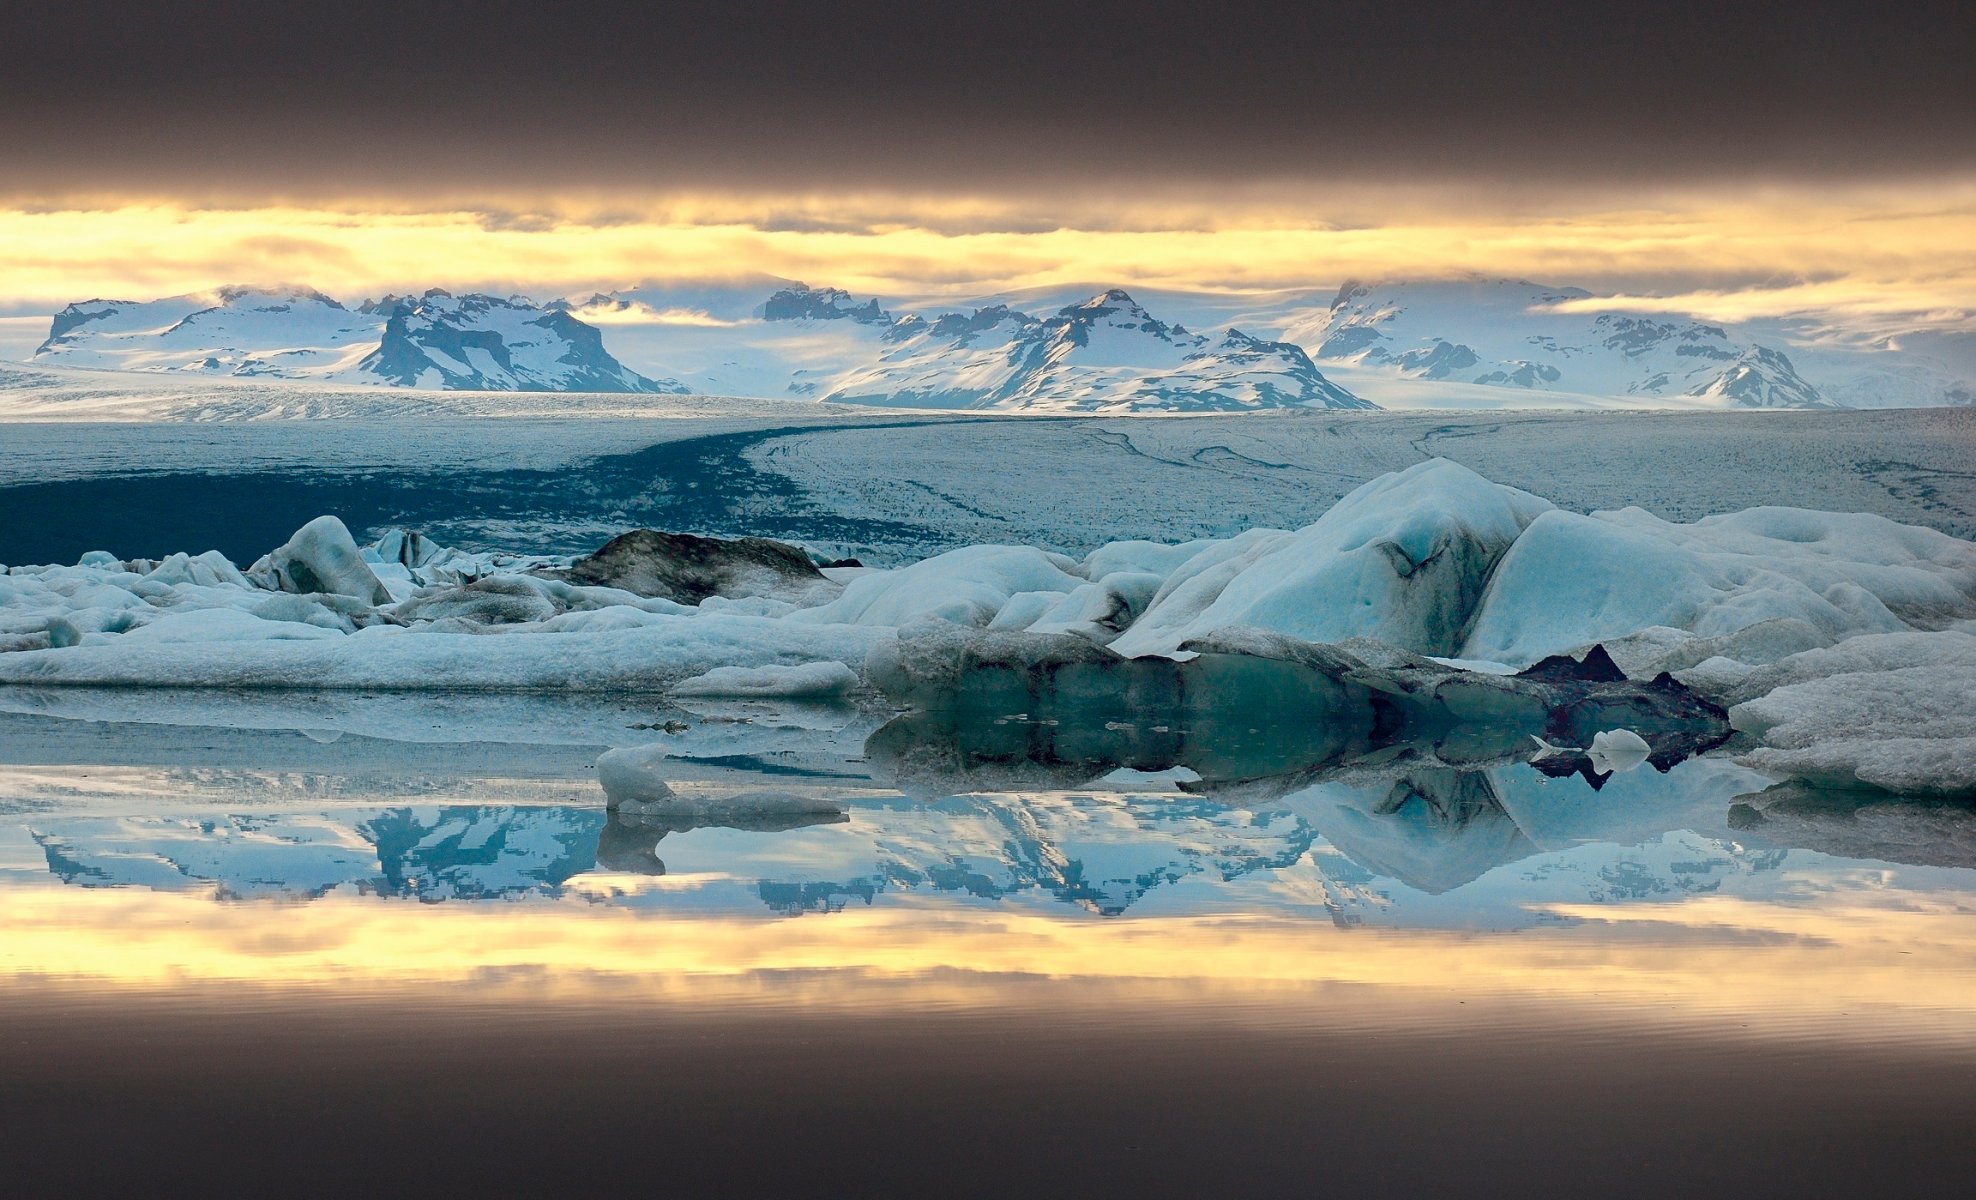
<point x="805" y="303"/>
<point x="1111" y="298"/>
<point x="1761" y="377"/>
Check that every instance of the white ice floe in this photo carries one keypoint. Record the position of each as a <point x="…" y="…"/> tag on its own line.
<point x="1893" y="711"/>
<point x="1616" y="751"/>
<point x="806" y="681"/>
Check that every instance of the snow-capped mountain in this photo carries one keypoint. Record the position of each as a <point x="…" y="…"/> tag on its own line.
<point x="473" y="342"/>
<point x="489" y="344"/>
<point x="1763" y="378"/>
<point x="1107" y="354"/>
<point x="277" y="331"/>
<point x="706" y="302"/>
<point x="1512" y="333"/>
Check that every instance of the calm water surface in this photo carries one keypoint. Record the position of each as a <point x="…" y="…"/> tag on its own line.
<point x="317" y="945"/>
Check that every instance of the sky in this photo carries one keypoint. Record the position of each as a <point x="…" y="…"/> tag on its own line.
<point x="1731" y="160"/>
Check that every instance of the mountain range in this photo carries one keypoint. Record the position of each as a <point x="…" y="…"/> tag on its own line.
<point x="1499" y="342"/>
<point x="1515" y="334"/>
<point x="1106" y="354"/>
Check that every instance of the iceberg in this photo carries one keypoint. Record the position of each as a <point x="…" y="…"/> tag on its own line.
<point x="1572" y="580"/>
<point x="1402" y="559"/>
<point x="321" y="557"/>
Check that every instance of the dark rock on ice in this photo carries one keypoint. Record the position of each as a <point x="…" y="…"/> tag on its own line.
<point x="688" y="569"/>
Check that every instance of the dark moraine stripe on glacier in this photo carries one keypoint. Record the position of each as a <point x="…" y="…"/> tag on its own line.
<point x="702" y="485"/>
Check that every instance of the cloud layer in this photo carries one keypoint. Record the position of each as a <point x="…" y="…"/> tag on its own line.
<point x="1894" y="257"/>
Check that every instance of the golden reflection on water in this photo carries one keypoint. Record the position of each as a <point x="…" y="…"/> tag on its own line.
<point x="1901" y="966"/>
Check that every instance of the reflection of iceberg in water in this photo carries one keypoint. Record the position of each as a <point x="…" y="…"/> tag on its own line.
<point x="1368" y="840"/>
<point x="1438" y="830"/>
<point x="1917" y="830"/>
<point x="1099" y="853"/>
<point x="1432" y="830"/>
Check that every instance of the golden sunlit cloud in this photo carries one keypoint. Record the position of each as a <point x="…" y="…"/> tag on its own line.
<point x="1902" y="256"/>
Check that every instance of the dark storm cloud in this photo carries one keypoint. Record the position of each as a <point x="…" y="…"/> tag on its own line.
<point x="357" y="96"/>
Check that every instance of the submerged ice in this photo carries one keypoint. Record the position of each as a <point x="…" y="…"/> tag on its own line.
<point x="1838" y="643"/>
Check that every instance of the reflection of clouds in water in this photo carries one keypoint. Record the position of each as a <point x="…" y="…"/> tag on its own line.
<point x="1898" y="954"/>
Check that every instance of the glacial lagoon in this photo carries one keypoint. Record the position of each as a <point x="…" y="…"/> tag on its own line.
<point x="421" y="917"/>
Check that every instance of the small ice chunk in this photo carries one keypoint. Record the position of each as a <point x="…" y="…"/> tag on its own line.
<point x="804" y="681"/>
<point x="1616" y="751"/>
<point x="211" y="569"/>
<point x="322" y="557"/>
